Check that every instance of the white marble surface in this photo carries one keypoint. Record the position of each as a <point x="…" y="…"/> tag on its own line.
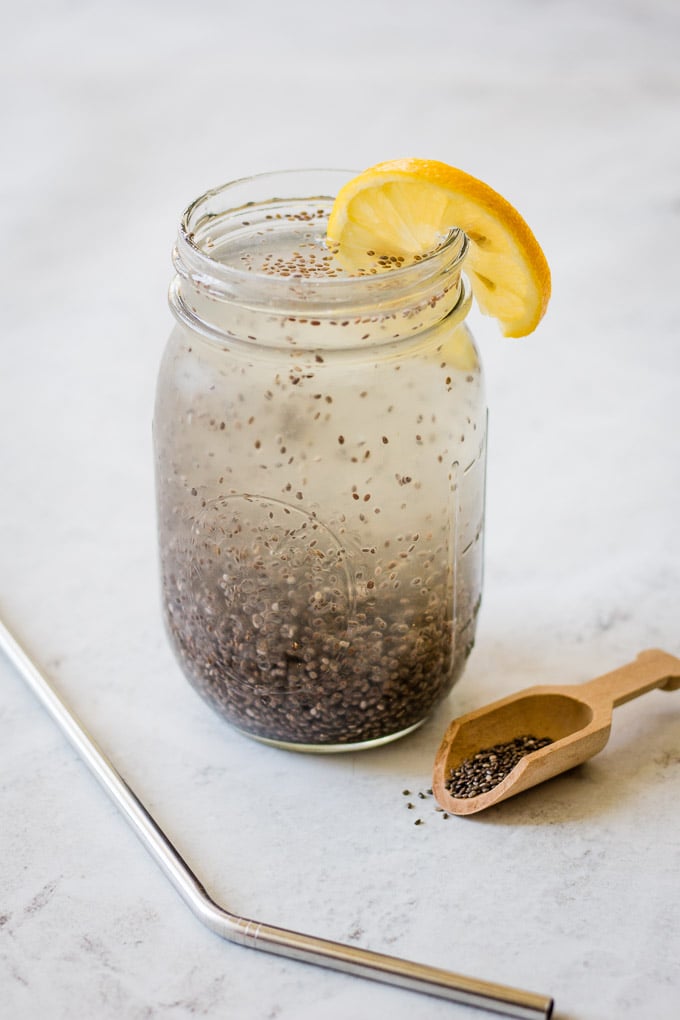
<point x="114" y="117"/>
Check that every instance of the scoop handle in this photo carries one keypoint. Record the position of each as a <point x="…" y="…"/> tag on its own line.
<point x="652" y="668"/>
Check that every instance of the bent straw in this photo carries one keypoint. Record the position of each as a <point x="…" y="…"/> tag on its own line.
<point x="257" y="935"/>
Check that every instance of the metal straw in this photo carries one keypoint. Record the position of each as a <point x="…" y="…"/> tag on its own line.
<point x="257" y="935"/>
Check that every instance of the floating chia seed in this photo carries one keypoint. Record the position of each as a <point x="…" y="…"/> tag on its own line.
<point x="490" y="765"/>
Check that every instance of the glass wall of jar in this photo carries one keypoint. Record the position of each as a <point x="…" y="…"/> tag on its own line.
<point x="320" y="450"/>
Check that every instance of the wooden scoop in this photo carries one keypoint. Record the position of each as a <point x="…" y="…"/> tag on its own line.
<point x="576" y="717"/>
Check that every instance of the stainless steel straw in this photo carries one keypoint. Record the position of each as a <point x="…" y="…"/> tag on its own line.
<point x="351" y="960"/>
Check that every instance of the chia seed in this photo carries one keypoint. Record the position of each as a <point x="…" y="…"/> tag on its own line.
<point x="285" y="638"/>
<point x="490" y="765"/>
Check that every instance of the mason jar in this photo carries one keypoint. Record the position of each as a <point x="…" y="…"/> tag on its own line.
<point x="320" y="460"/>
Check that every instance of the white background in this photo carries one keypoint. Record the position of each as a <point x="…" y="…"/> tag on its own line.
<point x="115" y="116"/>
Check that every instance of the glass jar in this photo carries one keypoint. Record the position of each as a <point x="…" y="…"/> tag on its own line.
<point x="320" y="451"/>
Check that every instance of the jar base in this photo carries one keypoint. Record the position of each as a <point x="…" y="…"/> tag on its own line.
<point x="360" y="745"/>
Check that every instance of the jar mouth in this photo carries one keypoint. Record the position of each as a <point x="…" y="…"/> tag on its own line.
<point x="218" y="229"/>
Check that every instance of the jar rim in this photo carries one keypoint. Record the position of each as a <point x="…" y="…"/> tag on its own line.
<point x="227" y="281"/>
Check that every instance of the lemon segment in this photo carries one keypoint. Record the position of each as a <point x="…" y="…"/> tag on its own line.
<point x="403" y="209"/>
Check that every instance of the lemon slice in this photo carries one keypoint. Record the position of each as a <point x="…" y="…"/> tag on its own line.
<point x="404" y="208"/>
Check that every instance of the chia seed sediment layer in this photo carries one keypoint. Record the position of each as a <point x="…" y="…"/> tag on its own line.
<point x="289" y="646"/>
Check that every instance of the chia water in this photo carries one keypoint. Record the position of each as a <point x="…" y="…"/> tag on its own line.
<point x="320" y="476"/>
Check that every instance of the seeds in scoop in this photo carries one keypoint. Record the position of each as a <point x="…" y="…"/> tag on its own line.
<point x="490" y="765"/>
